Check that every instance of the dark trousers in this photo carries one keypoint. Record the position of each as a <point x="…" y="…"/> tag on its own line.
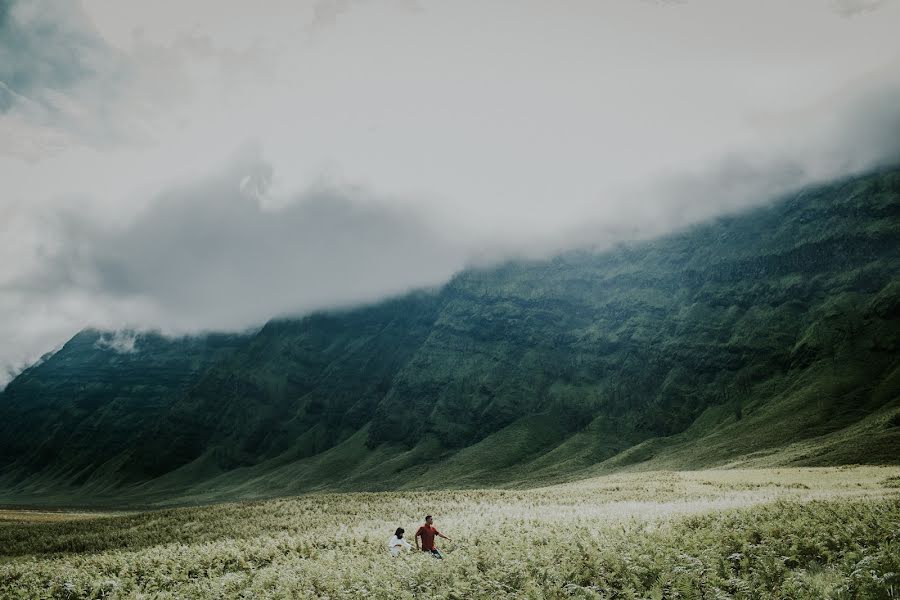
<point x="434" y="552"/>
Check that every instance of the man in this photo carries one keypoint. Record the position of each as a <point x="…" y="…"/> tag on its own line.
<point x="427" y="533"/>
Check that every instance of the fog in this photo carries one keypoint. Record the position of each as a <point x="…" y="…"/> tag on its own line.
<point x="209" y="165"/>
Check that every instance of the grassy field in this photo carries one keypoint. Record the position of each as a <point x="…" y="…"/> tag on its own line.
<point x="768" y="533"/>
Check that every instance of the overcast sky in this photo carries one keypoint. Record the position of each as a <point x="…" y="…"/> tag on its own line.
<point x="208" y="164"/>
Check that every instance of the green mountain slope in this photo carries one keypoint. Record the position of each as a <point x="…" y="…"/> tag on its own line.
<point x="69" y="416"/>
<point x="767" y="337"/>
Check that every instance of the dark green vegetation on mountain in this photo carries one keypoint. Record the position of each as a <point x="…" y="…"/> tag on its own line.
<point x="764" y="338"/>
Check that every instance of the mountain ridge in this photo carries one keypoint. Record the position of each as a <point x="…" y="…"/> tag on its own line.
<point x="687" y="350"/>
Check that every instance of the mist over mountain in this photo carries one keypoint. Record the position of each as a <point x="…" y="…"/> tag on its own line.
<point x="208" y="167"/>
<point x="764" y="337"/>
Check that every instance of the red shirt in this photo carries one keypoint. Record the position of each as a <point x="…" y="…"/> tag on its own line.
<point x="427" y="532"/>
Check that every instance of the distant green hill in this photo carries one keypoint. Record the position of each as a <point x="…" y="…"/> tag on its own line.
<point x="764" y="338"/>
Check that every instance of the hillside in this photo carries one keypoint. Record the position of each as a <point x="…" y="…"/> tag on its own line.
<point x="764" y="338"/>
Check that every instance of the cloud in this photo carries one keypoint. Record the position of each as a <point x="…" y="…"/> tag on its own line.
<point x="395" y="142"/>
<point x="327" y="13"/>
<point x="852" y="8"/>
<point x="210" y="256"/>
<point x="122" y="341"/>
<point x="46" y="46"/>
<point x="62" y="84"/>
<point x="52" y="67"/>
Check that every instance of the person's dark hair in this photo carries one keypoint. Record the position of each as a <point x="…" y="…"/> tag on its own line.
<point x="399" y="532"/>
<point x="427" y="517"/>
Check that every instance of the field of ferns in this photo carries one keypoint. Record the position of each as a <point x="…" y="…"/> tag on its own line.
<point x="729" y="534"/>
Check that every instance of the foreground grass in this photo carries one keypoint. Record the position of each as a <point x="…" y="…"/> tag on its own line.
<point x="786" y="533"/>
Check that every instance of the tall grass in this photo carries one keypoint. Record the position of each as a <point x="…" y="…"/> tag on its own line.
<point x="785" y="533"/>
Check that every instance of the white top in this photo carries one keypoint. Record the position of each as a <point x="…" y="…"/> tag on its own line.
<point x="395" y="545"/>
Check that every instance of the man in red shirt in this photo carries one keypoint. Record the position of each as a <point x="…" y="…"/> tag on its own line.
<point x="427" y="533"/>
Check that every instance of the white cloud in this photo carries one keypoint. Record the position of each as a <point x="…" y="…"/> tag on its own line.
<point x="122" y="341"/>
<point x="397" y="139"/>
<point x="851" y="8"/>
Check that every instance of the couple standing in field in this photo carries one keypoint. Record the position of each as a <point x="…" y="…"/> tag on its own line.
<point x="427" y="532"/>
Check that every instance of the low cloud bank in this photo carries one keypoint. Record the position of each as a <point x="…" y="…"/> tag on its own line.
<point x="211" y="255"/>
<point x="215" y="170"/>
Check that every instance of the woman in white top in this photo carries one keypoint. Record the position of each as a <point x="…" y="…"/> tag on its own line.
<point x="397" y="543"/>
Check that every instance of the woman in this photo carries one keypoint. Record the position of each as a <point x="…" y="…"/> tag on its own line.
<point x="397" y="543"/>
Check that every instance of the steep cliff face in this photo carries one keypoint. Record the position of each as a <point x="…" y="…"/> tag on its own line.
<point x="297" y="386"/>
<point x="650" y="336"/>
<point x="770" y="335"/>
<point x="85" y="405"/>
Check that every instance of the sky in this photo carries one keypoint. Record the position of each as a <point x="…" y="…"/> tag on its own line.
<point x="209" y="164"/>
